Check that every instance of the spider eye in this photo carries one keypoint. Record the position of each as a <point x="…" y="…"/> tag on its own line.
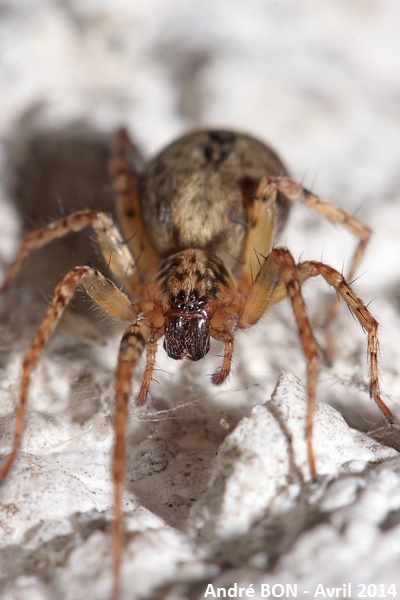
<point x="187" y="335"/>
<point x="187" y="302"/>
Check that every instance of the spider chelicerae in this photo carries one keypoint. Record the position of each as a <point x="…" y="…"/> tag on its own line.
<point x="196" y="259"/>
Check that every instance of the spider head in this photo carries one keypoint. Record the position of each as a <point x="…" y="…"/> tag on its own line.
<point x="191" y="286"/>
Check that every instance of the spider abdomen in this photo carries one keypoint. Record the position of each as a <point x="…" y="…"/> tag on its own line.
<point x="194" y="193"/>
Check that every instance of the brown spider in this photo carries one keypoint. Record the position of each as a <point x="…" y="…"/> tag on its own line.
<point x="196" y="259"/>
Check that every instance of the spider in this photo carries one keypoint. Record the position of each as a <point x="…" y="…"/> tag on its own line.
<point x="196" y="259"/>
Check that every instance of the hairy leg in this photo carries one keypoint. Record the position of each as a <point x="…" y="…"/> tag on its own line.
<point x="280" y="277"/>
<point x="295" y="192"/>
<point x="367" y="321"/>
<point x="128" y="208"/>
<point x="112" y="246"/>
<point x="133" y="343"/>
<point x="107" y="296"/>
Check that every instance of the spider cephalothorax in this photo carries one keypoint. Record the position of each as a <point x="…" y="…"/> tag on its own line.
<point x="199" y="261"/>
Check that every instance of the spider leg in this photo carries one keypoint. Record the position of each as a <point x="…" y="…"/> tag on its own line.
<point x="127" y="204"/>
<point x="107" y="296"/>
<point x="112" y="246"/>
<point x="151" y="352"/>
<point x="135" y="339"/>
<point x="357" y="307"/>
<point x="262" y="218"/>
<point x="225" y="332"/>
<point x="295" y="192"/>
<point x="279" y="277"/>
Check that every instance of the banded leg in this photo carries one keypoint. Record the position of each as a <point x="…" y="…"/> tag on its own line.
<point x="279" y="277"/>
<point x="128" y="208"/>
<point x="295" y="192"/>
<point x="112" y="246"/>
<point x="107" y="296"/>
<point x="135" y="339"/>
<point x="368" y="323"/>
